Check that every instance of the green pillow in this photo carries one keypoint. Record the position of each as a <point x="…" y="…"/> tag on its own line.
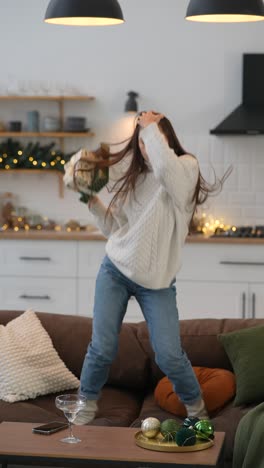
<point x="245" y="349"/>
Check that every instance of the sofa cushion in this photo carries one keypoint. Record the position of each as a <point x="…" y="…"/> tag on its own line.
<point x="30" y="366"/>
<point x="218" y="387"/>
<point x="25" y="411"/>
<point x="199" y="340"/>
<point x="71" y="334"/>
<point x="245" y="349"/>
<point x="117" y="407"/>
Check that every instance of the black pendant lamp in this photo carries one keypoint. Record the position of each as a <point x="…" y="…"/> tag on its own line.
<point x="225" y="11"/>
<point x="84" y="12"/>
<point x="131" y="104"/>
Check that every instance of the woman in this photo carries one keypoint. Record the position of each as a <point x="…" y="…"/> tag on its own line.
<point x="146" y="225"/>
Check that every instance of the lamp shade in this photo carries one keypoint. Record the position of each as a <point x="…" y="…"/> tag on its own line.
<point x="84" y="12"/>
<point x="131" y="104"/>
<point x="225" y="10"/>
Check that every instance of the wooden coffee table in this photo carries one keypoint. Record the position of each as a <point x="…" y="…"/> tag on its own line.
<point x="100" y="445"/>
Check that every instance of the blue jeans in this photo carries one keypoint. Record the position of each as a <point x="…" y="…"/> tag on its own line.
<point x="159" y="308"/>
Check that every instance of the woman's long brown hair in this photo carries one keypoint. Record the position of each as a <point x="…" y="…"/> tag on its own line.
<point x="127" y="182"/>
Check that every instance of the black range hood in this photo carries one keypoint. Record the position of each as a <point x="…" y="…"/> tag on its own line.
<point x="248" y="118"/>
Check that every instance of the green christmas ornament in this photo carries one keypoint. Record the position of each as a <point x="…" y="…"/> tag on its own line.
<point x="204" y="429"/>
<point x="185" y="437"/>
<point x="168" y="429"/>
<point x="190" y="422"/>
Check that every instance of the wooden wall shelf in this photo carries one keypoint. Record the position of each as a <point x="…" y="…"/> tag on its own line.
<point x="48" y="134"/>
<point x="60" y="100"/>
<point x="46" y="98"/>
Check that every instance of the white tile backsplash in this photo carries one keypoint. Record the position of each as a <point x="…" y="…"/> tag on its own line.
<point x="242" y="198"/>
<point x="249" y="211"/>
<point x="245" y="177"/>
<point x="259" y="177"/>
<point x="238" y="198"/>
<point x="259" y="210"/>
<point x="260" y="198"/>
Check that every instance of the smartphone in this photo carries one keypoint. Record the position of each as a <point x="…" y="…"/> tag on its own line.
<point x="49" y="428"/>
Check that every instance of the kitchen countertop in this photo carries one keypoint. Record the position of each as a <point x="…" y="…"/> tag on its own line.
<point x="96" y="235"/>
<point x="198" y="238"/>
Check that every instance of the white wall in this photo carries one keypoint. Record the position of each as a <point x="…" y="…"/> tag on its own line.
<point x="191" y="72"/>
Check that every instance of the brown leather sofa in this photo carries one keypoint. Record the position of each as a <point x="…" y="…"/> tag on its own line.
<point x="127" y="398"/>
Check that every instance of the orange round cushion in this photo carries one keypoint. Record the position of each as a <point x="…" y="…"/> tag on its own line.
<point x="218" y="386"/>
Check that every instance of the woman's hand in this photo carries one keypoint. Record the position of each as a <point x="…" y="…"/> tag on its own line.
<point x="92" y="200"/>
<point x="147" y="118"/>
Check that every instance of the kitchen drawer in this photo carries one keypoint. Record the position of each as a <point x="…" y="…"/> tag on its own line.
<point x="38" y="258"/>
<point x="90" y="256"/>
<point x="222" y="262"/>
<point x="86" y="290"/>
<point x="41" y="294"/>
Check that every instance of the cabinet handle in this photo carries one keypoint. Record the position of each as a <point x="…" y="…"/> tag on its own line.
<point x="244" y="305"/>
<point x="226" y="262"/>
<point x="27" y="296"/>
<point x="253" y="305"/>
<point x="41" y="259"/>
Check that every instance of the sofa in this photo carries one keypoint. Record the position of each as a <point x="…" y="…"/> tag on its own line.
<point x="128" y="396"/>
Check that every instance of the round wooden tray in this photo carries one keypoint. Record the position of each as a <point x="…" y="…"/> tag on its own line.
<point x="158" y="444"/>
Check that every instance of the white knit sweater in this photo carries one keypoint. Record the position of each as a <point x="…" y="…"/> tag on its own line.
<point x="146" y="233"/>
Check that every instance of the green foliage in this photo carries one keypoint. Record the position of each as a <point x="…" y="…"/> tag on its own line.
<point x="14" y="155"/>
<point x="100" y="179"/>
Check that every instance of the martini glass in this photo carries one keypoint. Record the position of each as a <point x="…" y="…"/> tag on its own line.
<point x="70" y="404"/>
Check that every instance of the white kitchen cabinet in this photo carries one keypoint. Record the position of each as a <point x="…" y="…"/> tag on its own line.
<point x="85" y="296"/>
<point x="90" y="256"/>
<point x="256" y="300"/>
<point x="38" y="258"/>
<point x="134" y="313"/>
<point x="208" y="299"/>
<point x="223" y="262"/>
<point x="221" y="280"/>
<point x="38" y="274"/>
<point x="216" y="280"/>
<point x="55" y="295"/>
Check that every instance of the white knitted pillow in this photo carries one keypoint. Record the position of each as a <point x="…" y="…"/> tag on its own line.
<point x="29" y="364"/>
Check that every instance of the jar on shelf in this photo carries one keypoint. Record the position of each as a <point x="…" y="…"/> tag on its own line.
<point x="33" y="121"/>
<point x="51" y="124"/>
<point x="8" y="203"/>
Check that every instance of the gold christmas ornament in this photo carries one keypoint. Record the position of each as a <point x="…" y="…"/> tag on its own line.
<point x="150" y="427"/>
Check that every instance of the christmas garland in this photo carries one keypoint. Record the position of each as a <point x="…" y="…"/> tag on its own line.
<point x="13" y="155"/>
